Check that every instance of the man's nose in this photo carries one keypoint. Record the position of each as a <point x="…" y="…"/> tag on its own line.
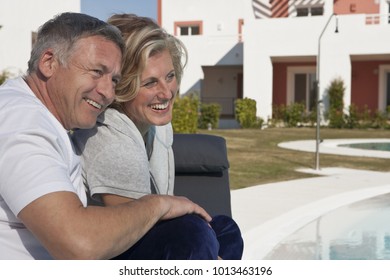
<point x="106" y="87"/>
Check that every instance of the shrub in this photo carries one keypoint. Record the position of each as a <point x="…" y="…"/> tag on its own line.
<point x="311" y="117"/>
<point x="279" y="112"/>
<point x="365" y="117"/>
<point x="245" y="110"/>
<point x="185" y="114"/>
<point x="379" y="120"/>
<point x="352" y="119"/>
<point x="209" y="114"/>
<point x="295" y="114"/>
<point x="336" y="103"/>
<point x="4" y="75"/>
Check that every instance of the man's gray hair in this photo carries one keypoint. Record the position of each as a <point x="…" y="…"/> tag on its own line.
<point x="63" y="31"/>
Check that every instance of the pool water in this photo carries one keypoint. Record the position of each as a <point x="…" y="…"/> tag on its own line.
<point x="360" y="231"/>
<point x="385" y="146"/>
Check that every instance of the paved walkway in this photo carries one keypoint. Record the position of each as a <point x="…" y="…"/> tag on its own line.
<point x="270" y="212"/>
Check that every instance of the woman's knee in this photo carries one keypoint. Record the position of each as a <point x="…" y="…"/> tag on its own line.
<point x="185" y="238"/>
<point x="229" y="237"/>
<point x="197" y="235"/>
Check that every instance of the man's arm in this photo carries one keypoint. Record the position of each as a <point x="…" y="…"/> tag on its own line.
<point x="70" y="231"/>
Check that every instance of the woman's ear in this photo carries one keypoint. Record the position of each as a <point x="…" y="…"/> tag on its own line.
<point x="48" y="63"/>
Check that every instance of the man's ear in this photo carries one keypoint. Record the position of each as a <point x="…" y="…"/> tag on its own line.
<point x="48" y="63"/>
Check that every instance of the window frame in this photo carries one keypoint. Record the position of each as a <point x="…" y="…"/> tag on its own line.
<point x="188" y="24"/>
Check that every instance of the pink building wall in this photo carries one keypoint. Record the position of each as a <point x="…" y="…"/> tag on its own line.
<point x="344" y="7"/>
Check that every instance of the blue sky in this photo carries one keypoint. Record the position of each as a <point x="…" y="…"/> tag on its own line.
<point x="103" y="9"/>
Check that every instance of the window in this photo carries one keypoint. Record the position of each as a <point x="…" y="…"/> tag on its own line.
<point x="302" y="12"/>
<point x="310" y="11"/>
<point x="305" y="89"/>
<point x="388" y="14"/>
<point x="317" y="11"/>
<point x="384" y="87"/>
<point x="302" y="86"/>
<point x="387" y="89"/>
<point x="33" y="38"/>
<point x="188" y="28"/>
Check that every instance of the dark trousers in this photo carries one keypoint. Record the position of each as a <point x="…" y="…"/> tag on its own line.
<point x="189" y="238"/>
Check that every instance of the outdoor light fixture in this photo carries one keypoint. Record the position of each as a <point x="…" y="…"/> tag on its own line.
<point x="318" y="101"/>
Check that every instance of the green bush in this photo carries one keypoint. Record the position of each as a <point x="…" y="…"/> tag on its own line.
<point x="279" y="112"/>
<point x="336" y="91"/>
<point x="295" y="114"/>
<point x="4" y="75"/>
<point x="209" y="114"/>
<point x="365" y="117"/>
<point x="379" y="120"/>
<point x="352" y="119"/>
<point x="245" y="110"/>
<point x="311" y="117"/>
<point x="185" y="114"/>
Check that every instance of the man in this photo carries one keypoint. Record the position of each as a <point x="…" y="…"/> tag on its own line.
<point x="73" y="70"/>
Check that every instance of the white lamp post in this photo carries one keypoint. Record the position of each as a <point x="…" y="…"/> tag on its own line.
<point x="318" y="101"/>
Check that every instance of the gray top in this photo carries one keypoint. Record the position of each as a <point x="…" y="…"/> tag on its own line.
<point x="117" y="160"/>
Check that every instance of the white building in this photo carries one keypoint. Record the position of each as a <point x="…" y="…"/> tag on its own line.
<point x="211" y="30"/>
<point x="268" y="50"/>
<point x="19" y="21"/>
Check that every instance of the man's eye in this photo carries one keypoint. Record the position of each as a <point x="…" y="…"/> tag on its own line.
<point x="98" y="72"/>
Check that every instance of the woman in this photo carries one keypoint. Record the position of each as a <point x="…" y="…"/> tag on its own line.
<point x="129" y="154"/>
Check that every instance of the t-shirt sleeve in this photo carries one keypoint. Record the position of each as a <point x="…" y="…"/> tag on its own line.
<point x="119" y="167"/>
<point x="33" y="161"/>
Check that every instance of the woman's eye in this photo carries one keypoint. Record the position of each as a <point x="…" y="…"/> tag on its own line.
<point x="171" y="76"/>
<point x="115" y="82"/>
<point x="149" y="84"/>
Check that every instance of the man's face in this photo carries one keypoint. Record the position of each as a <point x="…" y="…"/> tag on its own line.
<point x="82" y="89"/>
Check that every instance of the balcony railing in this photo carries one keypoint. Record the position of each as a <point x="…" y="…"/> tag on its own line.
<point x="372" y="19"/>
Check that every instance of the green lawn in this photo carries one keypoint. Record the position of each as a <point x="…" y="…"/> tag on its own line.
<point x="256" y="159"/>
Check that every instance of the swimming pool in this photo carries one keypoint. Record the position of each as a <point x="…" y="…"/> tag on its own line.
<point x="293" y="219"/>
<point x="360" y="231"/>
<point x="376" y="146"/>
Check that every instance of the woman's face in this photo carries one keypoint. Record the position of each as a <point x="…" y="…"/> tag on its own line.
<point x="154" y="101"/>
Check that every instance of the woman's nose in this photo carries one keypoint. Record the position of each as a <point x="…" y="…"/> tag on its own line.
<point x="164" y="90"/>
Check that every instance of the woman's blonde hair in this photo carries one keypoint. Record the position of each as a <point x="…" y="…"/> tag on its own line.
<point x="143" y="38"/>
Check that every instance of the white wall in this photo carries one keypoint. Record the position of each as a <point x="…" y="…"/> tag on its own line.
<point x="18" y="19"/>
<point x="219" y="16"/>
<point x="217" y="45"/>
<point x="292" y="37"/>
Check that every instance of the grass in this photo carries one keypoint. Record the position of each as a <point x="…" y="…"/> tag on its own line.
<point x="256" y="159"/>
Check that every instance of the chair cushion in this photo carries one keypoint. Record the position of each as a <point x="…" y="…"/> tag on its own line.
<point x="199" y="153"/>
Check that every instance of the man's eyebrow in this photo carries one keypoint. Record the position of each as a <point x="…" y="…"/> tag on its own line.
<point x="105" y="70"/>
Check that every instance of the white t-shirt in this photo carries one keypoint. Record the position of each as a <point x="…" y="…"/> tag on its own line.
<point x="36" y="158"/>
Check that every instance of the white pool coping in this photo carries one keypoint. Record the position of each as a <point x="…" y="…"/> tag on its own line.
<point x="331" y="146"/>
<point x="268" y="213"/>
